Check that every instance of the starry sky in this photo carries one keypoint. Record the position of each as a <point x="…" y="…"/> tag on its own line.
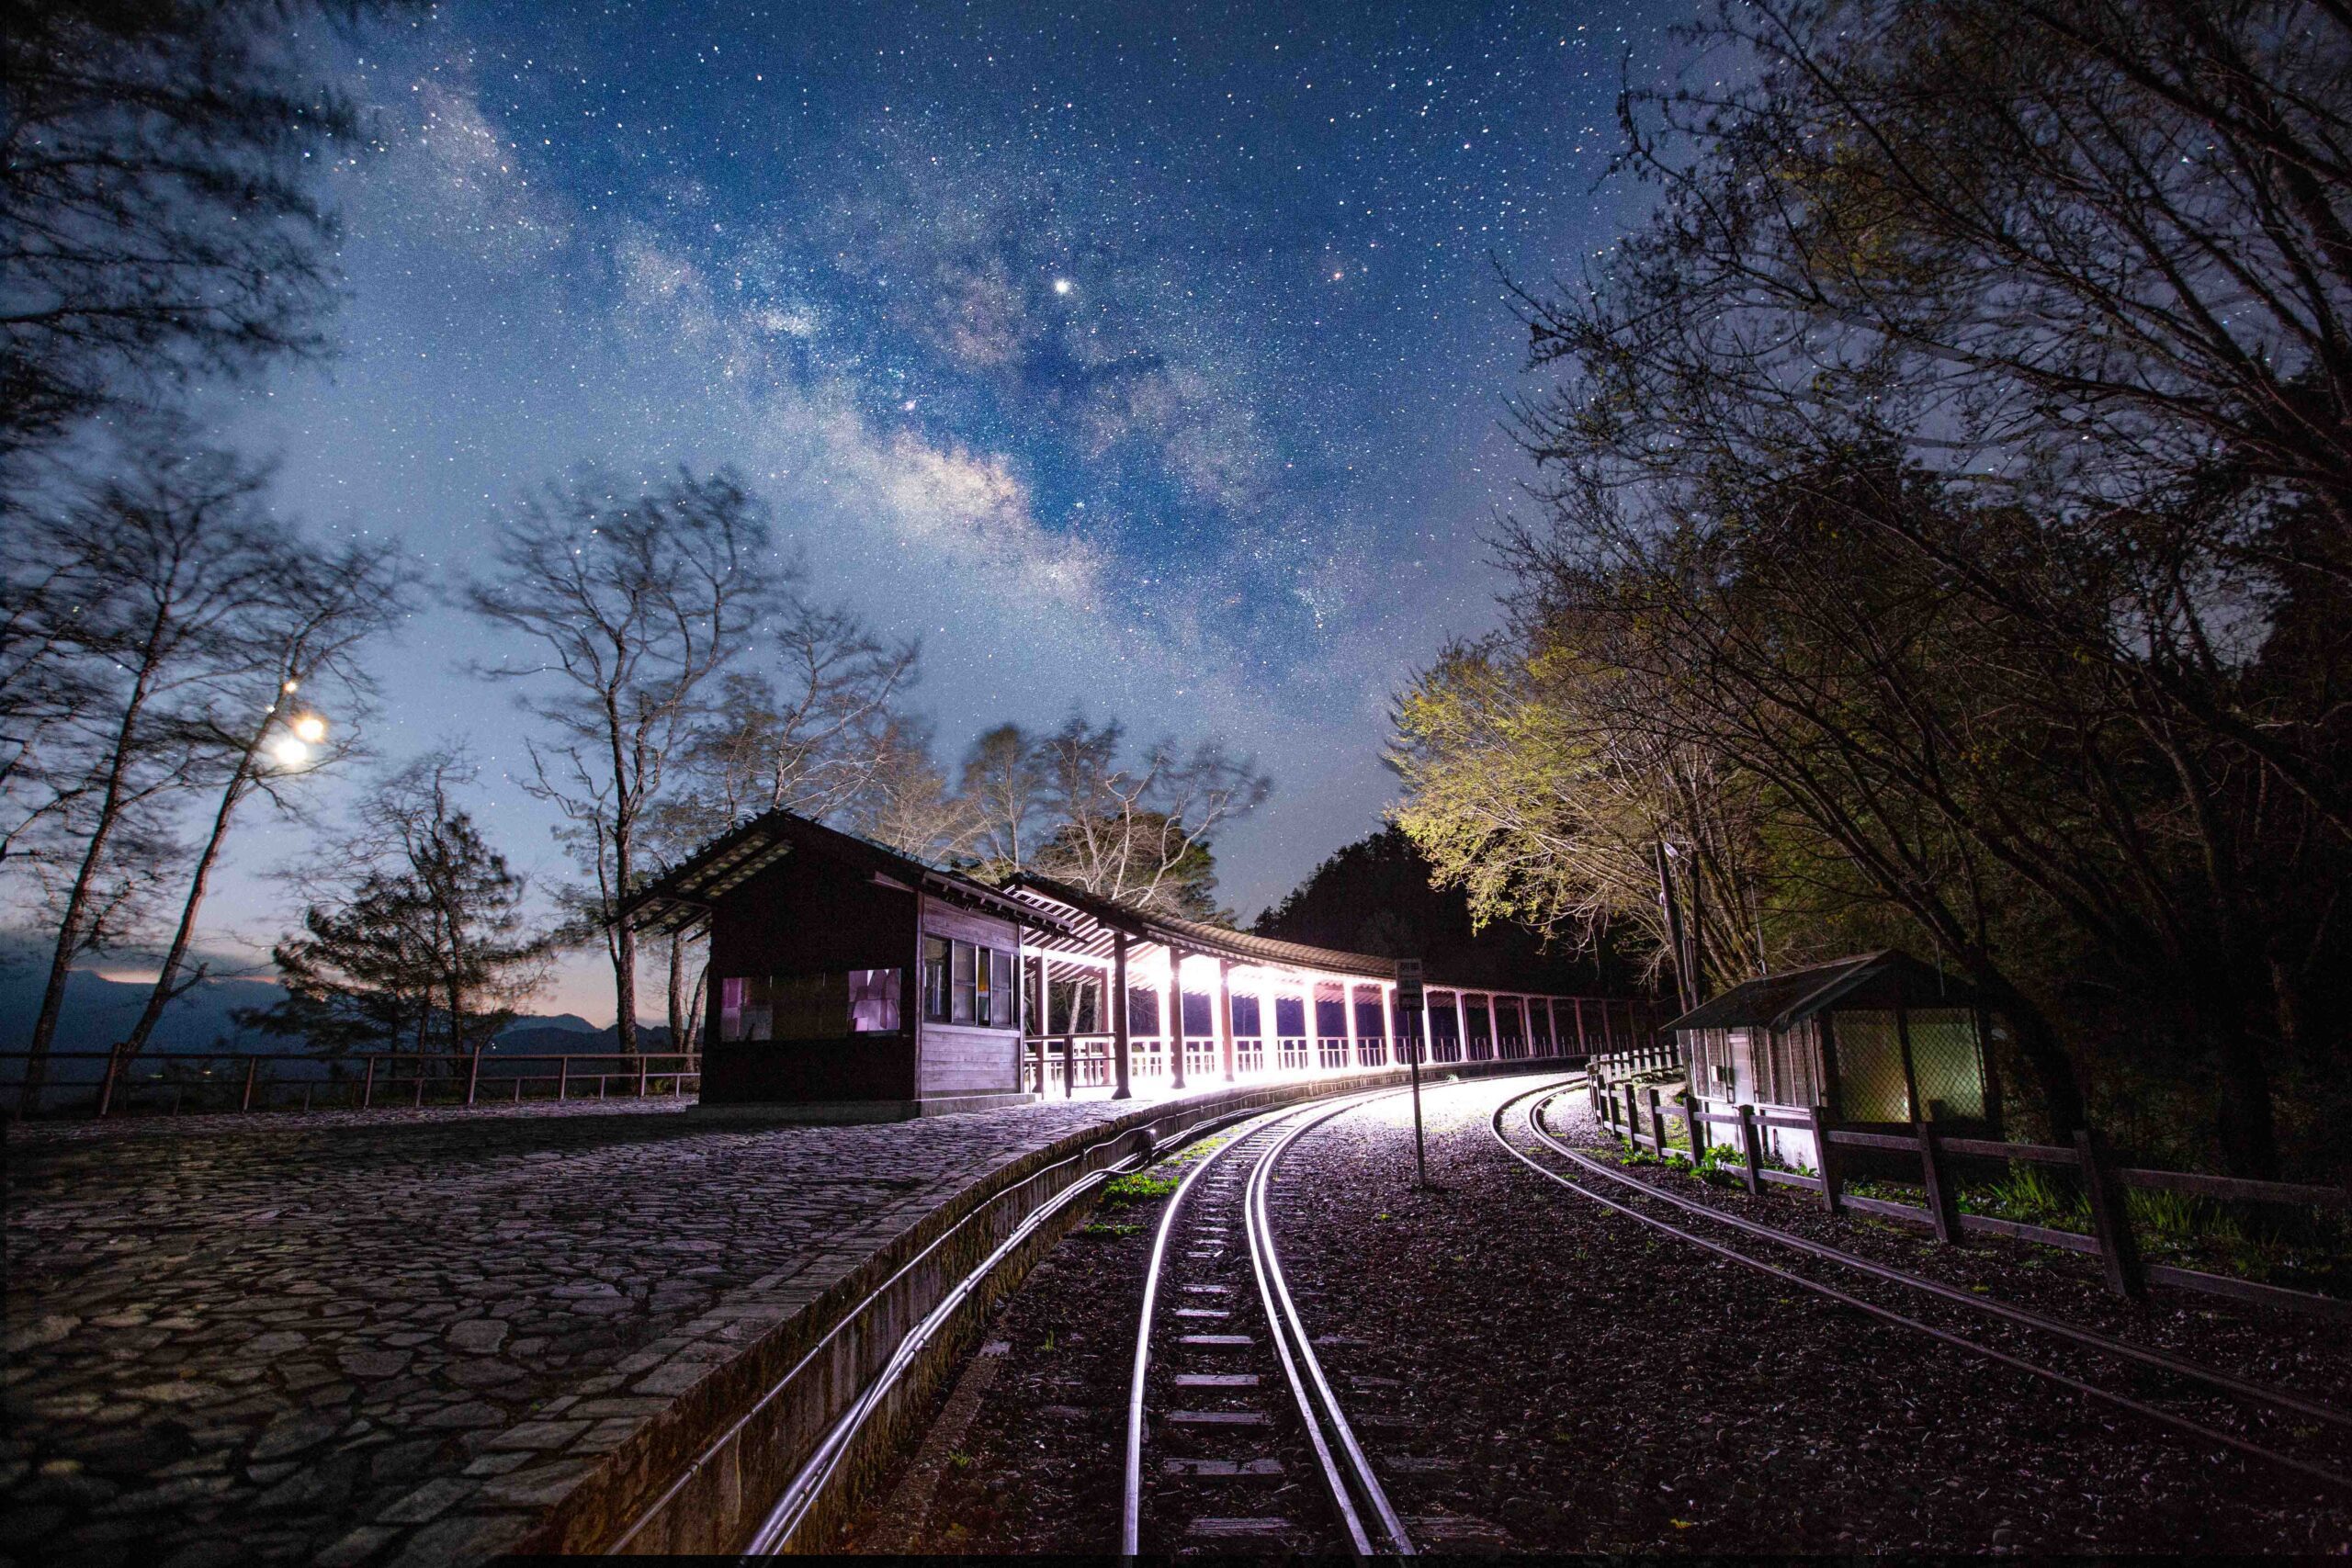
<point x="1149" y="360"/>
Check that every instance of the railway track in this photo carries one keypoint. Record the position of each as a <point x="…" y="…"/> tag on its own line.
<point x="2230" y="1412"/>
<point x="1236" y="1438"/>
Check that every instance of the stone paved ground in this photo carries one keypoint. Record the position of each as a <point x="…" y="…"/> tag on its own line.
<point x="389" y="1336"/>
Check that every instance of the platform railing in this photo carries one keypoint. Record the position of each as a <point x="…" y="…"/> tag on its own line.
<point x="1058" y="1066"/>
<point x="114" y="1083"/>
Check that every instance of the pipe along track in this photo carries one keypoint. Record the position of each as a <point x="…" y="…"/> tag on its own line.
<point x="1537" y="1100"/>
<point x="1199" y="1213"/>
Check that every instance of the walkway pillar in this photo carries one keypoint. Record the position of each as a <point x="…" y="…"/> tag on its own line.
<point x="1120" y="1089"/>
<point x="1224" y="1019"/>
<point x="1388" y="1022"/>
<point x="1462" y="1024"/>
<point x="1172" y="1024"/>
<point x="1269" y="1047"/>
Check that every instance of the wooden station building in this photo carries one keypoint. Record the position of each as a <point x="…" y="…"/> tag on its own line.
<point x="1017" y="990"/>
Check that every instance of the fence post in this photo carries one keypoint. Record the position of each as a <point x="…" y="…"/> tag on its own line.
<point x="2118" y="1250"/>
<point x="1751" y="1149"/>
<point x="1943" y="1203"/>
<point x="1700" y="1142"/>
<point x="1070" y="1067"/>
<point x="1632" y="1120"/>
<point x="473" y="1074"/>
<point x="563" y="1078"/>
<point x="252" y="1066"/>
<point x="1657" y="1124"/>
<point x="105" y="1090"/>
<point x="640" y="1077"/>
<point x="368" y="1085"/>
<point x="420" y="1083"/>
<point x="1833" y="1184"/>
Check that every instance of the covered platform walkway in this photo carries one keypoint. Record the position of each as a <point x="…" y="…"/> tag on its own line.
<point x="1247" y="1007"/>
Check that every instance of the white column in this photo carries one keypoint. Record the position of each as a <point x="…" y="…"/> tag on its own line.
<point x="1388" y="1022"/>
<point x="1462" y="1024"/>
<point x="1172" y="1022"/>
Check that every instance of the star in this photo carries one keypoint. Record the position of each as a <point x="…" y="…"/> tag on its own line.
<point x="1062" y="286"/>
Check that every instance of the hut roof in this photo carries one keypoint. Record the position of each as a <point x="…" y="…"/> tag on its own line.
<point x="1778" y="1001"/>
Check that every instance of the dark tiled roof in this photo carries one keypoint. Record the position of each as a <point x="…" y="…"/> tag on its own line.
<point x="684" y="894"/>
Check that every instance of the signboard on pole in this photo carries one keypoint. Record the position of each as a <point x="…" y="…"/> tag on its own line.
<point x="1409" y="984"/>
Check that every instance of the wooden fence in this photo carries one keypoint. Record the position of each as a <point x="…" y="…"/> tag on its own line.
<point x="1639" y="1115"/>
<point x="244" y="1081"/>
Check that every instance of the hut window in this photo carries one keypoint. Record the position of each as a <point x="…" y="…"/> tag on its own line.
<point x="873" y="1001"/>
<point x="961" y="979"/>
<point x="965" y="983"/>
<point x="1870" y="1067"/>
<point x="744" y="1010"/>
<point x="1946" y="1061"/>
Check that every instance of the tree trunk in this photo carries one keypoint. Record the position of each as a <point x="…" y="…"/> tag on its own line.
<point x="624" y="948"/>
<point x="2060" y="1095"/>
<point x="168" y="976"/>
<point x="77" y="898"/>
<point x="2246" y="1122"/>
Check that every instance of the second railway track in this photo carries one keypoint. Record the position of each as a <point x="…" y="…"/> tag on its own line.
<point x="2228" y="1411"/>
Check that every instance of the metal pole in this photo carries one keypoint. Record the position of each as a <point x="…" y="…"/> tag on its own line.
<point x="1420" y="1149"/>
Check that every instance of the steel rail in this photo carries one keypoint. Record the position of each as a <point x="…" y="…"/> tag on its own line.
<point x="2122" y="1350"/>
<point x="1356" y="1490"/>
<point x="1888" y="1314"/>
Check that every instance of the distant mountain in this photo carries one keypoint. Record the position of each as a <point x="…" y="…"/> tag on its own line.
<point x="99" y="1012"/>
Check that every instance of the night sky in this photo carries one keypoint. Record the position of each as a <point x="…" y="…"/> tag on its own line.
<point x="1148" y="361"/>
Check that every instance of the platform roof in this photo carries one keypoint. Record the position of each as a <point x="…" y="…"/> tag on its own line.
<point x="682" y="896"/>
<point x="1096" y="924"/>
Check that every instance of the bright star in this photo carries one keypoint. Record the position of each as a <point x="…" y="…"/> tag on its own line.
<point x="1061" y="286"/>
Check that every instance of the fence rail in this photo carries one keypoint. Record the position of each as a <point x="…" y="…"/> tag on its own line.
<point x="1639" y="1115"/>
<point x="257" y="1082"/>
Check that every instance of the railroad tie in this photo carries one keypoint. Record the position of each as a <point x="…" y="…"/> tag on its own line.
<point x="1216" y="1417"/>
<point x="1220" y="1469"/>
<point x="1217" y="1380"/>
<point x="1231" y="1528"/>
<point x="1215" y="1341"/>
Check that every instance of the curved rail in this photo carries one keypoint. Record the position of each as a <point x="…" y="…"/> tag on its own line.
<point x="1354" y="1490"/>
<point x="1888" y="1314"/>
<point x="2122" y="1350"/>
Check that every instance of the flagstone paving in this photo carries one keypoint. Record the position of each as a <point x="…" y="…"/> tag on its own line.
<point x="391" y="1336"/>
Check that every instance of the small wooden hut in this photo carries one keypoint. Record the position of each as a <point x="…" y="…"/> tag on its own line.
<point x="1876" y="1039"/>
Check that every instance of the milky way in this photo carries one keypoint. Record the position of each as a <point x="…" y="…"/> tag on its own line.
<point x="1148" y="361"/>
